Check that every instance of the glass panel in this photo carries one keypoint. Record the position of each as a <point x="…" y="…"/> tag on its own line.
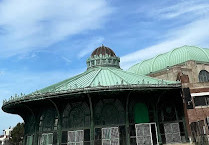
<point x="29" y="140"/>
<point x="114" y="141"/>
<point x="76" y="137"/>
<point x="172" y="133"/>
<point x="143" y="134"/>
<point x="114" y="133"/>
<point x="98" y="134"/>
<point x="64" y="136"/>
<point x="200" y="101"/>
<point x="146" y="134"/>
<point x="79" y="136"/>
<point x="43" y="139"/>
<point x="106" y="142"/>
<point x="50" y="138"/>
<point x="110" y="136"/>
<point x="87" y="135"/>
<point x="203" y="76"/>
<point x="71" y="136"/>
<point x="106" y="133"/>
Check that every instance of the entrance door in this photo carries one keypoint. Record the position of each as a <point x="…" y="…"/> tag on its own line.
<point x="146" y="134"/>
<point x="172" y="132"/>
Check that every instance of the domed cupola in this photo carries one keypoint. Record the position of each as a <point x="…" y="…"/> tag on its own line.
<point x="103" y="56"/>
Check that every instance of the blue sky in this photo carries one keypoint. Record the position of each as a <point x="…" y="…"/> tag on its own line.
<point x="44" y="41"/>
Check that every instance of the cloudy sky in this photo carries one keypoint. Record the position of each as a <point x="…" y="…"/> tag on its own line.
<point x="45" y="41"/>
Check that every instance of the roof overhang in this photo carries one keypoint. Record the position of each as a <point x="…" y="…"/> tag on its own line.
<point x="59" y="94"/>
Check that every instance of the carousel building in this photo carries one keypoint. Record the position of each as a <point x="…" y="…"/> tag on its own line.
<point x="104" y="105"/>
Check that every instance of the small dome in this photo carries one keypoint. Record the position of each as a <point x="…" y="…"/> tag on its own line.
<point x="103" y="50"/>
<point x="103" y="57"/>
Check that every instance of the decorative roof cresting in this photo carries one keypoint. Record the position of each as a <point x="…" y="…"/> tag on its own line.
<point x="103" y="56"/>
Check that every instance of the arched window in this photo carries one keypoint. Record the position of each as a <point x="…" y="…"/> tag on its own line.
<point x="204" y="76"/>
<point x="76" y="116"/>
<point x="48" y="120"/>
<point x="29" y="125"/>
<point x="109" y="112"/>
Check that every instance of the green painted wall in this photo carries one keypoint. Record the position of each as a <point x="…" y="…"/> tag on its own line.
<point x="141" y="114"/>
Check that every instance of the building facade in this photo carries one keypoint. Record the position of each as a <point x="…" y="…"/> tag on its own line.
<point x="4" y="139"/>
<point x="190" y="65"/>
<point x="104" y="105"/>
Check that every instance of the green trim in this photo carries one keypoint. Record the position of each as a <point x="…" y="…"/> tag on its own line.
<point x="59" y="127"/>
<point x="92" y="121"/>
<point x="127" y="120"/>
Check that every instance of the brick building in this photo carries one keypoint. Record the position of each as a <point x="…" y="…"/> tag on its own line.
<point x="190" y="65"/>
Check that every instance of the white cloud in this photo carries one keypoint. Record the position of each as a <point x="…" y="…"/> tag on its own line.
<point x="185" y="7"/>
<point x="28" y="25"/>
<point x="94" y="43"/>
<point x="195" y="33"/>
<point x="167" y="10"/>
<point x="67" y="60"/>
<point x="192" y="32"/>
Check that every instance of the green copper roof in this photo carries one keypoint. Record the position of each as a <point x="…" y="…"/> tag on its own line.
<point x="102" y="76"/>
<point x="176" y="56"/>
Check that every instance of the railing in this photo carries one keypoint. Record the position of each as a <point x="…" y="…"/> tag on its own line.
<point x="76" y="90"/>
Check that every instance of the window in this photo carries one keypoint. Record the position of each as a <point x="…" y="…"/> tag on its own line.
<point x="146" y="134"/>
<point x="109" y="112"/>
<point x="29" y="140"/>
<point x="75" y="137"/>
<point x="201" y="100"/>
<point x="204" y="76"/>
<point x="98" y="61"/>
<point x="207" y="122"/>
<point x="76" y="116"/>
<point x="48" y="121"/>
<point x="110" y="136"/>
<point x="172" y="133"/>
<point x="114" y="61"/>
<point x="46" y="139"/>
<point x="109" y="60"/>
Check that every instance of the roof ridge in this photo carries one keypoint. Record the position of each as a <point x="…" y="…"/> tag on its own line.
<point x="118" y="75"/>
<point x="154" y="59"/>
<point x="75" y="78"/>
<point x="188" y="53"/>
<point x="95" y="76"/>
<point x="60" y="84"/>
<point x="203" y="51"/>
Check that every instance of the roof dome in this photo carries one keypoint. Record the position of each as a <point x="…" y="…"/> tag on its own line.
<point x="103" y="50"/>
<point x="103" y="57"/>
<point x="171" y="58"/>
